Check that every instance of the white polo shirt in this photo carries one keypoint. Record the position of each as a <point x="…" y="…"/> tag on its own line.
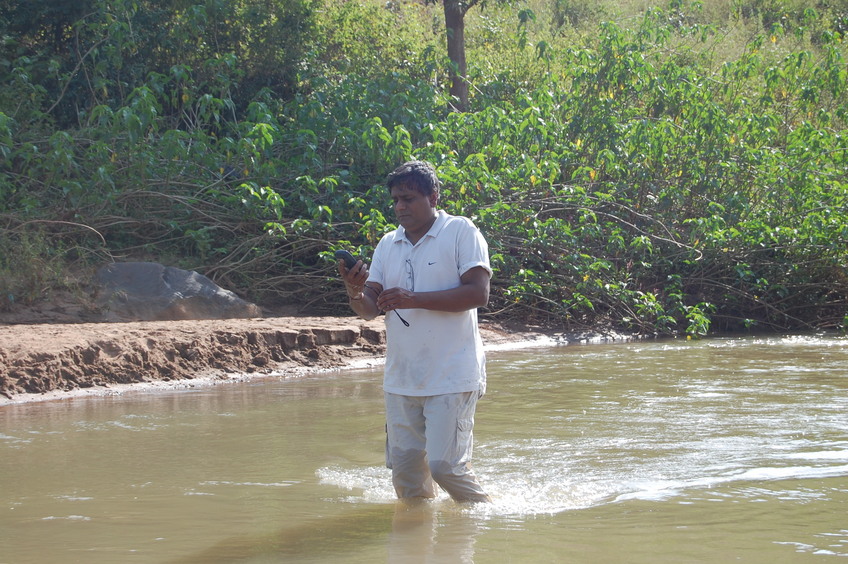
<point x="440" y="352"/>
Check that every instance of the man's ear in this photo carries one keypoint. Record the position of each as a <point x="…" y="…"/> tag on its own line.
<point x="434" y="199"/>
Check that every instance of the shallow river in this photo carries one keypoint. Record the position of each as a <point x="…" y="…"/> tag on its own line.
<point x="720" y="450"/>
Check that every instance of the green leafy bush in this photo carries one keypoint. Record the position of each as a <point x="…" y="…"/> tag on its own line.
<point x="627" y="177"/>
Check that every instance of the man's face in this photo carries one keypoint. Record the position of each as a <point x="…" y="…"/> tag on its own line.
<point x="414" y="211"/>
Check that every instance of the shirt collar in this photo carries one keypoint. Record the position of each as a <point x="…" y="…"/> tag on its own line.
<point x="435" y="229"/>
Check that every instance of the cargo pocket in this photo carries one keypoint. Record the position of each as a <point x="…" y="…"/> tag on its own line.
<point x="388" y="457"/>
<point x="464" y="439"/>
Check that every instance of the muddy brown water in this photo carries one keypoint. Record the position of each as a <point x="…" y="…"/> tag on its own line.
<point x="719" y="450"/>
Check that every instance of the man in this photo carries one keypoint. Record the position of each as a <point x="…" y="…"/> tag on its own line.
<point x="433" y="273"/>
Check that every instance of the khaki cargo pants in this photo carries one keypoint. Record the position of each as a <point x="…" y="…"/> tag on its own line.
<point x="429" y="439"/>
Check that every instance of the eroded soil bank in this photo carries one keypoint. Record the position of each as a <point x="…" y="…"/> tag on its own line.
<point x="50" y="361"/>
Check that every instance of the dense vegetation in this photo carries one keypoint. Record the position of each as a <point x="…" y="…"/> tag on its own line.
<point x="673" y="169"/>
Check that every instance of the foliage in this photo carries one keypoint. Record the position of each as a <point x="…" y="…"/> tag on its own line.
<point x="648" y="174"/>
<point x="34" y="264"/>
<point x="97" y="52"/>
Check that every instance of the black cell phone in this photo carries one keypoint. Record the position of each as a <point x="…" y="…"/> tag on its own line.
<point x="349" y="260"/>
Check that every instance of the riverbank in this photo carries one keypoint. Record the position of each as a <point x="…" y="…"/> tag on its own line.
<point x="48" y="361"/>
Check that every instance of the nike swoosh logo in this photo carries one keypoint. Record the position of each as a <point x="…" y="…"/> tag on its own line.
<point x="431" y="263"/>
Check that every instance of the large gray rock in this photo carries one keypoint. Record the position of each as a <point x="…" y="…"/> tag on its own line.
<point x="148" y="291"/>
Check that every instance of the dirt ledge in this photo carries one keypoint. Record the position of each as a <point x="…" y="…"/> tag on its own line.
<point x="50" y="361"/>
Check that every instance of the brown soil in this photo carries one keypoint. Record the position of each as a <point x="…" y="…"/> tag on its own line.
<point x="41" y="361"/>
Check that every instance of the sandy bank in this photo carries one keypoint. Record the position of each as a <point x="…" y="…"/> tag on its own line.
<point x="54" y="361"/>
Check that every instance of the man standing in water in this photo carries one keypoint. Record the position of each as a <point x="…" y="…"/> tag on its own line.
<point x="433" y="272"/>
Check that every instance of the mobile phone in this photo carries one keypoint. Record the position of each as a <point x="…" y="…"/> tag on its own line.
<point x="349" y="260"/>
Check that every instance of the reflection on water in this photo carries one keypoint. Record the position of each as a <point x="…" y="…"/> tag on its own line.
<point x="709" y="451"/>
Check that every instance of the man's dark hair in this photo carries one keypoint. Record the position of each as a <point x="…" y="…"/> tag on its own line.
<point x="419" y="175"/>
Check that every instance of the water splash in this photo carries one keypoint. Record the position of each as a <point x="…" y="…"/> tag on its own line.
<point x="513" y="494"/>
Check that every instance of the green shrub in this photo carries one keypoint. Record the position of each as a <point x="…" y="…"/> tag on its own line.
<point x="652" y="173"/>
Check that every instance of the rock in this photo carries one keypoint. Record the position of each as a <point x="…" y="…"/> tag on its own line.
<point x="148" y="291"/>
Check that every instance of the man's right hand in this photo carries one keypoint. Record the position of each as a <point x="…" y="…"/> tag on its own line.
<point x="354" y="278"/>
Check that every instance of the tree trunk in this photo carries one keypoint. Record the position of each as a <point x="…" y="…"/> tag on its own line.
<point x="455" y="25"/>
